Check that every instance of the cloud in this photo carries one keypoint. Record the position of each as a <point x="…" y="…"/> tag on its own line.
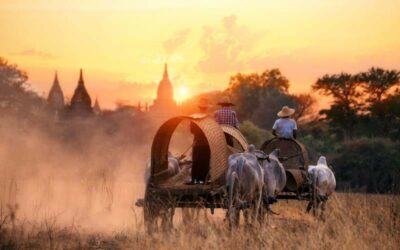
<point x="34" y="53"/>
<point x="227" y="47"/>
<point x="176" y="40"/>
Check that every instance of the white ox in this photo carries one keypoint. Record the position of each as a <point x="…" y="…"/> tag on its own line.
<point x="244" y="180"/>
<point x="274" y="175"/>
<point x="274" y="178"/>
<point x="172" y="170"/>
<point x="324" y="184"/>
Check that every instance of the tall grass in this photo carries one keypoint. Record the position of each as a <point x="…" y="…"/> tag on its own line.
<point x="352" y="221"/>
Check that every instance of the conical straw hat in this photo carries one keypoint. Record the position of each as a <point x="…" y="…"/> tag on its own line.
<point x="225" y="101"/>
<point x="286" y="111"/>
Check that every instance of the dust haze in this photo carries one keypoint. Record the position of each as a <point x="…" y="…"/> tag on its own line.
<point x="81" y="173"/>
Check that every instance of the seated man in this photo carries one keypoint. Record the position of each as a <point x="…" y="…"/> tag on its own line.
<point x="285" y="126"/>
<point x="225" y="115"/>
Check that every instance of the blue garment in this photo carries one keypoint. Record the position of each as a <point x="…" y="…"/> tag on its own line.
<point x="284" y="127"/>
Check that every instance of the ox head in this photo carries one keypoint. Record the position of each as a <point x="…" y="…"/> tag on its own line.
<point x="276" y="152"/>
<point x="261" y="155"/>
<point x="322" y="161"/>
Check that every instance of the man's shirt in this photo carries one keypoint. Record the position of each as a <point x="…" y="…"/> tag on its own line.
<point x="226" y="116"/>
<point x="284" y="127"/>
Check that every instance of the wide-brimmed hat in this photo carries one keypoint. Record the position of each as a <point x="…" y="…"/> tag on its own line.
<point x="286" y="111"/>
<point x="203" y="103"/>
<point x="225" y="101"/>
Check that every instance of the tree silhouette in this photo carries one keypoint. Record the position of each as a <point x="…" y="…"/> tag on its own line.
<point x="304" y="106"/>
<point x="15" y="97"/>
<point x="344" y="89"/>
<point x="274" y="79"/>
<point x="378" y="82"/>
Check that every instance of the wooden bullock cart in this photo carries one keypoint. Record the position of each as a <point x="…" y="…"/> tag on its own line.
<point x="163" y="194"/>
<point x="294" y="158"/>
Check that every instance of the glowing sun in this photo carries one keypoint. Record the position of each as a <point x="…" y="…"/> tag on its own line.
<point x="182" y="93"/>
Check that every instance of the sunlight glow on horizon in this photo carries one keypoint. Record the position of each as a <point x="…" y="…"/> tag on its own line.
<point x="183" y="93"/>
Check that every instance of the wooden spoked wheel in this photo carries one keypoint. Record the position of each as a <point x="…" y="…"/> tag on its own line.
<point x="158" y="213"/>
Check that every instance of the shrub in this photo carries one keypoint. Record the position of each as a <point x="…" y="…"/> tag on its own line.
<point x="371" y="165"/>
<point x="254" y="134"/>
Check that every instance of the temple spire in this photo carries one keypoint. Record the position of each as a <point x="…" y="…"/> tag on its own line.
<point x="56" y="78"/>
<point x="96" y="107"/>
<point x="55" y="98"/>
<point x="81" y="100"/>
<point x="81" y="82"/>
<point x="165" y="70"/>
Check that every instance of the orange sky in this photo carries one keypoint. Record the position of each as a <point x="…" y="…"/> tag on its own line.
<point x="122" y="45"/>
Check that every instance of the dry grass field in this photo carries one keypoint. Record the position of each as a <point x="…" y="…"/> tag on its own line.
<point x="353" y="221"/>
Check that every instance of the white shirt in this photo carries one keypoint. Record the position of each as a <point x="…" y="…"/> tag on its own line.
<point x="284" y="127"/>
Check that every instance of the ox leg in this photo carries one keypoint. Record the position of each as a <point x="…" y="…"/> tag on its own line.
<point x="309" y="206"/>
<point x="261" y="214"/>
<point x="234" y="211"/>
<point x="257" y="208"/>
<point x="322" y="215"/>
<point x="246" y="216"/>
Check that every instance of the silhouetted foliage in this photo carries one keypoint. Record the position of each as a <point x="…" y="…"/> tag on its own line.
<point x="377" y="82"/>
<point x="15" y="97"/>
<point x="304" y="104"/>
<point x="274" y="79"/>
<point x="260" y="96"/>
<point x="344" y="89"/>
<point x="254" y="134"/>
<point x="383" y="119"/>
<point x="270" y="103"/>
<point x="371" y="165"/>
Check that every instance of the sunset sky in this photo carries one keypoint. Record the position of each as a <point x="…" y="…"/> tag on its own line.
<point x="122" y="45"/>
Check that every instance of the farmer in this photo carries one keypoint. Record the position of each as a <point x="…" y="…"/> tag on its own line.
<point x="285" y="126"/>
<point x="201" y="149"/>
<point x="226" y="116"/>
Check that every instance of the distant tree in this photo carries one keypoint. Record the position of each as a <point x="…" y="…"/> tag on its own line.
<point x="258" y="97"/>
<point x="245" y="90"/>
<point x="270" y="103"/>
<point x="384" y="119"/>
<point x="378" y="82"/>
<point x="344" y="89"/>
<point x="368" y="165"/>
<point x="274" y="79"/>
<point x="381" y="102"/>
<point x="15" y="97"/>
<point x="304" y="105"/>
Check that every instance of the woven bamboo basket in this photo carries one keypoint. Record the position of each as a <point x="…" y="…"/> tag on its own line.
<point x="216" y="141"/>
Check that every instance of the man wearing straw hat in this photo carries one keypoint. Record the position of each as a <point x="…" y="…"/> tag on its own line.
<point x="285" y="126"/>
<point x="225" y="115"/>
<point x="201" y="150"/>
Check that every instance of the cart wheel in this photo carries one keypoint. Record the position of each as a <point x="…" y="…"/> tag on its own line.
<point x="158" y="213"/>
<point x="149" y="213"/>
<point x="234" y="208"/>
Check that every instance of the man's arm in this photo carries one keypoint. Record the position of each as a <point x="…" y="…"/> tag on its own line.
<point x="274" y="128"/>
<point x="236" y="120"/>
<point x="295" y="130"/>
<point x="216" y="118"/>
